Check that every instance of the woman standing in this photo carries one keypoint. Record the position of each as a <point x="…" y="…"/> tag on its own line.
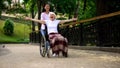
<point x="45" y="16"/>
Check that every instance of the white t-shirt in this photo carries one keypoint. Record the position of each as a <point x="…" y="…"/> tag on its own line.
<point x="52" y="26"/>
<point x="44" y="16"/>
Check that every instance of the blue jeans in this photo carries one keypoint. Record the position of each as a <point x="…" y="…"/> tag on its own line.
<point x="43" y="32"/>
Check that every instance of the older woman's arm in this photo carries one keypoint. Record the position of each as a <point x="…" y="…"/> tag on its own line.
<point x="70" y="20"/>
<point x="35" y="20"/>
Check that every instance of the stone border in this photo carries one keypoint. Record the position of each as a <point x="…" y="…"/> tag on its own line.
<point x="107" y="49"/>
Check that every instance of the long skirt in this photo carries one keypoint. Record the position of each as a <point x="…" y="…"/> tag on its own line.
<point x="58" y="42"/>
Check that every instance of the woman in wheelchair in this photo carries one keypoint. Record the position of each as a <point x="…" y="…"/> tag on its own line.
<point x="57" y="41"/>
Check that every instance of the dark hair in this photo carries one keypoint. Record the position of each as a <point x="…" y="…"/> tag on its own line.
<point x="43" y="9"/>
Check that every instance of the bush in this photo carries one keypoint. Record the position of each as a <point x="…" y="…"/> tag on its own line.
<point x="16" y="10"/>
<point x="8" y="27"/>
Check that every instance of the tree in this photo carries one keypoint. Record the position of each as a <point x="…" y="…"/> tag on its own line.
<point x="9" y="2"/>
<point x="87" y="9"/>
<point x="65" y="6"/>
<point x="84" y="7"/>
<point x="1" y="6"/>
<point x="25" y="3"/>
<point x="8" y="27"/>
<point x="32" y="11"/>
<point x="31" y="7"/>
<point x="77" y="9"/>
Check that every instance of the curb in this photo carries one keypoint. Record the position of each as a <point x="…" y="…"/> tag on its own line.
<point x="107" y="49"/>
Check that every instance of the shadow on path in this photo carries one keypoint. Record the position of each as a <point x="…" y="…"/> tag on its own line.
<point x="4" y="50"/>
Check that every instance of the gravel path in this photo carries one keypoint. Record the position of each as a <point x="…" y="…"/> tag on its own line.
<point x="27" y="56"/>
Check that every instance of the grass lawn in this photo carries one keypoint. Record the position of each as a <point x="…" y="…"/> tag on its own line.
<point x="21" y="33"/>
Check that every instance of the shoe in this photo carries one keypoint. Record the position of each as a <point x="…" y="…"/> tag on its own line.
<point x="54" y="55"/>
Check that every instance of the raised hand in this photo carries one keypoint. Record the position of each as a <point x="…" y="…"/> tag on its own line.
<point x="27" y="18"/>
<point x="74" y="19"/>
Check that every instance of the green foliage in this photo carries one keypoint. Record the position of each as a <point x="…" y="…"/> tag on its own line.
<point x="8" y="27"/>
<point x="9" y="1"/>
<point x="90" y="10"/>
<point x="25" y="1"/>
<point x="16" y="10"/>
<point x="69" y="7"/>
<point x="21" y="32"/>
<point x="1" y="6"/>
<point x="65" y="6"/>
<point x="31" y="5"/>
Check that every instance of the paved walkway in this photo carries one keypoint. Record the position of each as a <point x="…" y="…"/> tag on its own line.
<point x="27" y="56"/>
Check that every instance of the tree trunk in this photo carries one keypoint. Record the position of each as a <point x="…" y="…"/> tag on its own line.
<point x="33" y="24"/>
<point x="84" y="7"/>
<point x="39" y="4"/>
<point x="33" y="15"/>
<point x="77" y="9"/>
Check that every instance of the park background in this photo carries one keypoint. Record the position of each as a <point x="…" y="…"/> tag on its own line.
<point x="99" y="32"/>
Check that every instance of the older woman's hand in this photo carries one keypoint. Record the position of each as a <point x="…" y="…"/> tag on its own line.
<point x="27" y="18"/>
<point x="74" y="19"/>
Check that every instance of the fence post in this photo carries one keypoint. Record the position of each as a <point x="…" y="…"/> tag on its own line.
<point x="81" y="34"/>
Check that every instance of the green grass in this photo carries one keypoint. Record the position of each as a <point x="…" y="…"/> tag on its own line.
<point x="21" y="33"/>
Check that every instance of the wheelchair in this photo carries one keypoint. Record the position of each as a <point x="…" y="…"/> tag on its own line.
<point x="45" y="47"/>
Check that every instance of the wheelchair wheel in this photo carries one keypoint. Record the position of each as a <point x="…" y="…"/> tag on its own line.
<point x="42" y="47"/>
<point x="65" y="54"/>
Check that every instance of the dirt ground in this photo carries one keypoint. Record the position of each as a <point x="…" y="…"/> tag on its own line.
<point x="27" y="56"/>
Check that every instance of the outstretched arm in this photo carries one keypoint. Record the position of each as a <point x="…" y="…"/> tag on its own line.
<point x="35" y="20"/>
<point x="70" y="20"/>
